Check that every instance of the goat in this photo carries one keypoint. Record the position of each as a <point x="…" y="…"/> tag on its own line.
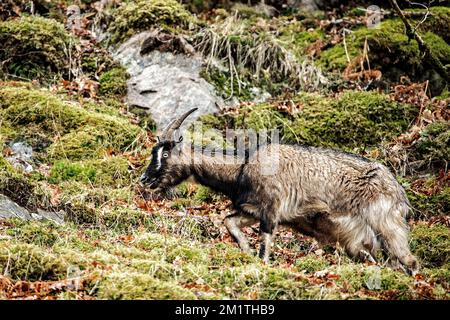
<point x="334" y="196"/>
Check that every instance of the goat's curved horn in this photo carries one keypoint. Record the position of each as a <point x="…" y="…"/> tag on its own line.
<point x="175" y="125"/>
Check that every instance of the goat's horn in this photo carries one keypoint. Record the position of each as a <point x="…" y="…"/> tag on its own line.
<point x="174" y="125"/>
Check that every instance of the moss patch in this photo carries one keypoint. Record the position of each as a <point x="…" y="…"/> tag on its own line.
<point x="103" y="172"/>
<point x="142" y="265"/>
<point x="135" y="16"/>
<point x="390" y="50"/>
<point x="31" y="262"/>
<point x="34" y="47"/>
<point x="140" y="286"/>
<point x="431" y="244"/>
<point x="428" y="206"/>
<point x="354" y="119"/>
<point x="114" y="82"/>
<point x="77" y="132"/>
<point x="434" y="144"/>
<point x="297" y="38"/>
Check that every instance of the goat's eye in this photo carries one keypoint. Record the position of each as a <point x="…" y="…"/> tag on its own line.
<point x="165" y="154"/>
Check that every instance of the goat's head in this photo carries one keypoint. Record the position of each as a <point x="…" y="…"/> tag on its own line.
<point x="164" y="170"/>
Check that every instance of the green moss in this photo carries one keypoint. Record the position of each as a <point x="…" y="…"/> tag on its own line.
<point x="204" y="194"/>
<point x="431" y="244"/>
<point x="376" y="279"/>
<point x="445" y="94"/>
<point x="438" y="22"/>
<point x="428" y="206"/>
<point x="30" y="262"/>
<point x="15" y="185"/>
<point x="311" y="263"/>
<point x="124" y="219"/>
<point x="41" y="234"/>
<point x="142" y="265"/>
<point x="281" y="284"/>
<point x="440" y="275"/>
<point x="353" y="119"/>
<point x="425" y="205"/>
<point x="221" y="80"/>
<point x="246" y="11"/>
<point x="297" y="39"/>
<point x="132" y="17"/>
<point x="434" y="143"/>
<point x="389" y="50"/>
<point x="78" y="132"/>
<point x="34" y="47"/>
<point x="85" y="143"/>
<point x="133" y="286"/>
<point x="223" y="254"/>
<point x="114" y="82"/>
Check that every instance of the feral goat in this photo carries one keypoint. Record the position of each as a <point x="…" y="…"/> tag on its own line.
<point x="333" y="196"/>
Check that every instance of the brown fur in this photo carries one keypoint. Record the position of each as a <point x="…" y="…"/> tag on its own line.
<point x="333" y="196"/>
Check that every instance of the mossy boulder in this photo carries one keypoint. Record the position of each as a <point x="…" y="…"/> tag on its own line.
<point x="352" y="119"/>
<point x="17" y="186"/>
<point x="438" y="22"/>
<point x="69" y="130"/>
<point x="355" y="119"/>
<point x="34" y="48"/>
<point x="135" y="16"/>
<point x="390" y="51"/>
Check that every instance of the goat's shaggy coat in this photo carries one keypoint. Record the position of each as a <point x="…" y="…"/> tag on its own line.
<point x="333" y="196"/>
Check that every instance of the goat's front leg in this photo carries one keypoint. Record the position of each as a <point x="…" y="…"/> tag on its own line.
<point x="267" y="228"/>
<point x="234" y="223"/>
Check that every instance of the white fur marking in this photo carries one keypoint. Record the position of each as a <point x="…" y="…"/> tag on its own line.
<point x="158" y="158"/>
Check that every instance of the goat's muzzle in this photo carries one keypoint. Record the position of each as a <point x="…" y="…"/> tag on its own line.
<point x="147" y="182"/>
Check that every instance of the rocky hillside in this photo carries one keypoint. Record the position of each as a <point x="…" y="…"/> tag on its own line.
<point x="84" y="89"/>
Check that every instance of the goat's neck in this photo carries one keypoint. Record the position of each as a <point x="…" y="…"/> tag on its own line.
<point x="214" y="172"/>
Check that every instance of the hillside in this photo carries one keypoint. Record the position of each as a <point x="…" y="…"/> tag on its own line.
<point x="78" y="120"/>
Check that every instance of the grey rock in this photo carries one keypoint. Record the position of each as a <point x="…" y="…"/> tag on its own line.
<point x="164" y="84"/>
<point x="22" y="155"/>
<point x="57" y="217"/>
<point x="10" y="209"/>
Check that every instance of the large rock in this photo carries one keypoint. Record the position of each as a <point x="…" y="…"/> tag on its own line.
<point x="165" y="84"/>
<point x="10" y="209"/>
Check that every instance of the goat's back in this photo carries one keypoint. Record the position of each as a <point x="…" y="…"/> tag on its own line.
<point x="316" y="179"/>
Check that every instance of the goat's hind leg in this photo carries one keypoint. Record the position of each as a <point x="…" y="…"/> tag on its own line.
<point x="234" y="223"/>
<point x="395" y="242"/>
<point x="391" y="227"/>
